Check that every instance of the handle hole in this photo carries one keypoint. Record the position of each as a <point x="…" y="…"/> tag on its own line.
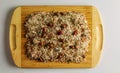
<point x="13" y="31"/>
<point x="99" y="38"/>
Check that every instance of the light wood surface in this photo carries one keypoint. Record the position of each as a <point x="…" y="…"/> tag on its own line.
<point x="97" y="35"/>
<point x="15" y="36"/>
<point x="17" y="39"/>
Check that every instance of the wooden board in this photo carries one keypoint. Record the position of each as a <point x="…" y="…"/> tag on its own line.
<point x="17" y="39"/>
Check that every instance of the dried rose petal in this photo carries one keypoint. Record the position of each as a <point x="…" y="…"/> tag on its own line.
<point x="44" y="29"/>
<point x="63" y="46"/>
<point x="42" y="43"/>
<point x="60" y="32"/>
<point x="80" y="24"/>
<point x="83" y="56"/>
<point x="76" y="46"/>
<point x="51" y="45"/>
<point x="61" y="40"/>
<point x="63" y="25"/>
<point x="75" y="32"/>
<point x="61" y="13"/>
<point x="50" y="35"/>
<point x="84" y="39"/>
<point x="50" y="24"/>
<point x="71" y="46"/>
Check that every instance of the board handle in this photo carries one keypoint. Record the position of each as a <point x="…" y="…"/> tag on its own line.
<point x="15" y="36"/>
<point x="97" y="41"/>
<point x="99" y="37"/>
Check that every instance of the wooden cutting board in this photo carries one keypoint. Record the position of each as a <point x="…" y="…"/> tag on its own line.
<point x="17" y="39"/>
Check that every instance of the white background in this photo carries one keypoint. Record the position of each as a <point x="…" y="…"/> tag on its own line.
<point x="110" y="13"/>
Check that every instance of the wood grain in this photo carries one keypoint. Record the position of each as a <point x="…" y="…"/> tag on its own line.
<point x="90" y="13"/>
<point x="97" y="36"/>
<point x="15" y="36"/>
